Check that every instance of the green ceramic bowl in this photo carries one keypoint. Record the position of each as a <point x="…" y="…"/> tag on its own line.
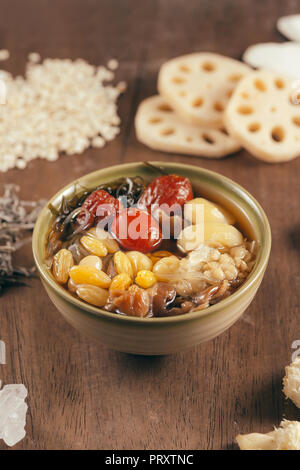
<point x="154" y="336"/>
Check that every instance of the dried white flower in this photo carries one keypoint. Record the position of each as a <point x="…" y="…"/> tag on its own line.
<point x="286" y="437"/>
<point x="291" y="382"/>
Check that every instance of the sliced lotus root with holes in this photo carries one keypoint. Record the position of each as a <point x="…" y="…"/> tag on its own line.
<point x="264" y="116"/>
<point x="199" y="86"/>
<point x="159" y="127"/>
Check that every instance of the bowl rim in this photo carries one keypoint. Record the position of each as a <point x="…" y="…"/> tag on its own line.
<point x="257" y="271"/>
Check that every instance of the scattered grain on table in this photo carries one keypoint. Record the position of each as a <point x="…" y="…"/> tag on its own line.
<point x="59" y="106"/>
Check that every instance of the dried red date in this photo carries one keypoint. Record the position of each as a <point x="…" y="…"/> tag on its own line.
<point x="136" y="230"/>
<point x="169" y="190"/>
<point x="99" y="205"/>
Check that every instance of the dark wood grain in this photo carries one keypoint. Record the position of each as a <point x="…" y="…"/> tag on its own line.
<point x="82" y="395"/>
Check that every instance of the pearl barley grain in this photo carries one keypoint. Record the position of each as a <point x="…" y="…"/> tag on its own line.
<point x="98" y="142"/>
<point x="34" y="57"/>
<point x="4" y="54"/>
<point x="112" y="64"/>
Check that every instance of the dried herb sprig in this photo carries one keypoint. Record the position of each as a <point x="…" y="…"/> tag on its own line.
<point x="17" y="218"/>
<point x="63" y="226"/>
<point x="129" y="188"/>
<point x="159" y="169"/>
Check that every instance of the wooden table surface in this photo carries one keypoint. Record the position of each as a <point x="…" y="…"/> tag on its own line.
<point x="82" y="395"/>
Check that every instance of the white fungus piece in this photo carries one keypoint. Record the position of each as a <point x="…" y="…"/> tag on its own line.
<point x="289" y="26"/>
<point x="13" y="411"/>
<point x="281" y="58"/>
<point x="4" y="54"/>
<point x="286" y="437"/>
<point x="291" y="382"/>
<point x="59" y="106"/>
